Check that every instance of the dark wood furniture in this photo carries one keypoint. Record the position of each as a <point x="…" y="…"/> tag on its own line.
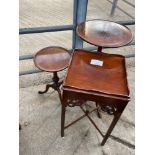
<point x="104" y="33"/>
<point x="106" y="85"/>
<point x="52" y="59"/>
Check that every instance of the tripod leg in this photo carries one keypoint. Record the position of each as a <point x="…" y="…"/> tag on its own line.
<point x="47" y="88"/>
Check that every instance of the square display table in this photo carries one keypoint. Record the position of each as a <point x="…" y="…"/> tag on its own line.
<point x="104" y="84"/>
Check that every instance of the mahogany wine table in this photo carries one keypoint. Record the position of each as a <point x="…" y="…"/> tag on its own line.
<point x="52" y="59"/>
<point x="104" y="33"/>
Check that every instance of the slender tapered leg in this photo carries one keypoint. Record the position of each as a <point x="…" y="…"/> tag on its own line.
<point x="59" y="93"/>
<point x="113" y="123"/>
<point x="62" y="120"/>
<point x="98" y="113"/>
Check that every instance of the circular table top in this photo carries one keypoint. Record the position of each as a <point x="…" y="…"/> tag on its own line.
<point x="52" y="59"/>
<point x="104" y="33"/>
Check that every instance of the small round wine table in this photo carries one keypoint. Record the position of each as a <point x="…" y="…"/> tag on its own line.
<point x="52" y="59"/>
<point x="104" y="33"/>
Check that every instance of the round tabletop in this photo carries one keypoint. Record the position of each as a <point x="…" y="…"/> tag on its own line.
<point x="104" y="33"/>
<point x="52" y="59"/>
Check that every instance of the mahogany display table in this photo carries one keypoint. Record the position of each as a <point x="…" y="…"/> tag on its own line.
<point x="104" y="83"/>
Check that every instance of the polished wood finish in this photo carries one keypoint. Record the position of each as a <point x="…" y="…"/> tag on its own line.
<point x="55" y="85"/>
<point x="104" y="33"/>
<point x="108" y="79"/>
<point x="105" y="85"/>
<point x="52" y="59"/>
